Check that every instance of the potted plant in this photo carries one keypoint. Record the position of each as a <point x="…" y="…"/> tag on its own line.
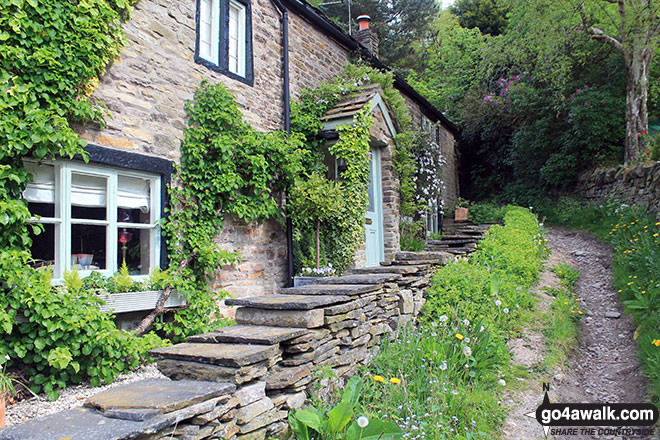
<point x="315" y="200"/>
<point x="6" y="388"/>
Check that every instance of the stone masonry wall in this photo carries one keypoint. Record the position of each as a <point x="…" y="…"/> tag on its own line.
<point x="239" y="382"/>
<point x="635" y="185"/>
<point x="146" y="88"/>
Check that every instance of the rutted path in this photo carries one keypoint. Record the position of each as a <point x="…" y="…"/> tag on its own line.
<point x="604" y="368"/>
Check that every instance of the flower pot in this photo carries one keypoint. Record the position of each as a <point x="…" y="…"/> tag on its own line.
<point x="461" y="215"/>
<point x="299" y="281"/>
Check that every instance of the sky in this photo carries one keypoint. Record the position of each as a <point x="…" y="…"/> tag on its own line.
<point x="446" y="3"/>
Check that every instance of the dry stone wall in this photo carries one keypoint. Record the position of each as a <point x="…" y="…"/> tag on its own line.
<point x="635" y="185"/>
<point x="239" y="382"/>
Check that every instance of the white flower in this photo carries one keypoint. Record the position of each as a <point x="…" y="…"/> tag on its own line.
<point x="467" y="351"/>
<point x="7" y="357"/>
<point x="505" y="310"/>
<point x="482" y="329"/>
<point x="502" y="382"/>
<point x="362" y="421"/>
<point x="443" y="366"/>
<point x="498" y="302"/>
<point x="443" y="318"/>
<point x="466" y="322"/>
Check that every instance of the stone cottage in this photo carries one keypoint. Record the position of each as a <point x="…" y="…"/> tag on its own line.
<point x="263" y="51"/>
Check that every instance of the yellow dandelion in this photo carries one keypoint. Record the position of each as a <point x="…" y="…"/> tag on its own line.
<point x="380" y="379"/>
<point x="459" y="336"/>
<point x="643" y="291"/>
<point x="580" y="312"/>
<point x="395" y="381"/>
<point x="656" y="342"/>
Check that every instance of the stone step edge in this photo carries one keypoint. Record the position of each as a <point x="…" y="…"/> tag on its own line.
<point x="249" y="334"/>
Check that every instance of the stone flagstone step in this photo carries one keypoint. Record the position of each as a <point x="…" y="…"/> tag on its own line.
<point x="249" y="334"/>
<point x="437" y="256"/>
<point x="227" y="355"/>
<point x="403" y="270"/>
<point x="451" y="242"/>
<point x="365" y="278"/>
<point x="280" y="318"/>
<point x="331" y="289"/>
<point x="288" y="302"/>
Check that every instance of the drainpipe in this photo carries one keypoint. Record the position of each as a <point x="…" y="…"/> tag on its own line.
<point x="287" y="124"/>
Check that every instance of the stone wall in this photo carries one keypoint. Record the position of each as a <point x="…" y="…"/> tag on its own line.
<point x="635" y="185"/>
<point x="146" y="88"/>
<point x="239" y="382"/>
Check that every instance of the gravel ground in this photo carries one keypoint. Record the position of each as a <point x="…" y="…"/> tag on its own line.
<point x="604" y="368"/>
<point x="70" y="397"/>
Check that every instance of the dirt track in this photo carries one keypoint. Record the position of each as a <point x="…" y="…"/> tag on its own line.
<point x="604" y="368"/>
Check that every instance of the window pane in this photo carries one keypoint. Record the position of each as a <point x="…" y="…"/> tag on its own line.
<point x="133" y="247"/>
<point x="88" y="196"/>
<point x="42" y="209"/>
<point x="236" y="33"/>
<point x="43" y="246"/>
<point x="88" y="246"/>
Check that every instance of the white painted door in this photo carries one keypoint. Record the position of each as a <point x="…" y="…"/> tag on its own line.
<point x="375" y="249"/>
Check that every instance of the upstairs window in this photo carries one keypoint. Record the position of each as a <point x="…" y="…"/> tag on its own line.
<point x="224" y="37"/>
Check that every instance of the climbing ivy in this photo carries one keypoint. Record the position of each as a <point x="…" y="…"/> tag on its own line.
<point x="227" y="168"/>
<point x="51" y="52"/>
<point x="410" y="140"/>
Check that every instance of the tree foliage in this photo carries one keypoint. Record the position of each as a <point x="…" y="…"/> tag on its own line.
<point x="489" y="16"/>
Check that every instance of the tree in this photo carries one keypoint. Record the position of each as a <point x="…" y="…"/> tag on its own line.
<point x="489" y="16"/>
<point x="632" y="28"/>
<point x="402" y="26"/>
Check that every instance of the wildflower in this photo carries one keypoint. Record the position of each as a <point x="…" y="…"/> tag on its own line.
<point x="380" y="379"/>
<point x="498" y="302"/>
<point x="362" y="421"/>
<point x="656" y="342"/>
<point x="580" y="312"/>
<point x="466" y="322"/>
<point x="443" y="366"/>
<point x="502" y="382"/>
<point x="395" y="381"/>
<point x="459" y="336"/>
<point x="467" y="351"/>
<point x="505" y="310"/>
<point x="7" y="357"/>
<point x="443" y="318"/>
<point x="482" y="329"/>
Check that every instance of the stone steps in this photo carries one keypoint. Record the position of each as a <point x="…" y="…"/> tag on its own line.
<point x="288" y="302"/>
<point x="331" y="289"/>
<point x="249" y="334"/>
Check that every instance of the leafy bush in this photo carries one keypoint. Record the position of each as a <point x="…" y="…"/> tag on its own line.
<point x="65" y="337"/>
<point x="486" y="212"/>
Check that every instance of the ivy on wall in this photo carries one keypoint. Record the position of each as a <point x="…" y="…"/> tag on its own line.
<point x="227" y="168"/>
<point x="50" y="51"/>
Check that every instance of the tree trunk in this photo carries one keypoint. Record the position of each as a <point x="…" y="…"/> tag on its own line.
<point x="318" y="243"/>
<point x="148" y="320"/>
<point x="637" y="91"/>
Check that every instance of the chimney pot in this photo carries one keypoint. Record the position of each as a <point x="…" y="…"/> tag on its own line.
<point x="363" y="22"/>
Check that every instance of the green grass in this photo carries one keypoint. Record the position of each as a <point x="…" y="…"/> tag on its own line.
<point x="454" y="365"/>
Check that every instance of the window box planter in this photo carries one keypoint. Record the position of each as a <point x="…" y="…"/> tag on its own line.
<point x="132" y="302"/>
<point x="299" y="281"/>
<point x="139" y="301"/>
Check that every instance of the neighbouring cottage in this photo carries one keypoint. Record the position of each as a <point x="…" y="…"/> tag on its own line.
<point x="105" y="212"/>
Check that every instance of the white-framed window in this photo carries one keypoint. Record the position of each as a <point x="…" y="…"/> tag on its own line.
<point x="236" y="49"/>
<point x="94" y="218"/>
<point x="209" y="30"/>
<point x="224" y="39"/>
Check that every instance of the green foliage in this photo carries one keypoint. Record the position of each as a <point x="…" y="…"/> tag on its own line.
<point x="227" y="168"/>
<point x="492" y="285"/>
<point x="486" y="212"/>
<point x="122" y="279"/>
<point x="65" y="338"/>
<point x="342" y="234"/>
<point x="51" y="53"/>
<point x="489" y="16"/>
<point x="312" y="423"/>
<point x="72" y="280"/>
